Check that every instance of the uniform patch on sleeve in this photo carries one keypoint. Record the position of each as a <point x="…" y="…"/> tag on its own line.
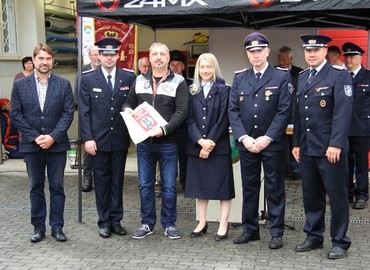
<point x="348" y="90"/>
<point x="290" y="88"/>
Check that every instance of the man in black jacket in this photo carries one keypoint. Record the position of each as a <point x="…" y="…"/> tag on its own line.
<point x="320" y="145"/>
<point x="285" y="57"/>
<point x="359" y="131"/>
<point x="168" y="94"/>
<point x="101" y="96"/>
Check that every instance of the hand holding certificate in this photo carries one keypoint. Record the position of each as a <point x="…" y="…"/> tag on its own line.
<point x="141" y="122"/>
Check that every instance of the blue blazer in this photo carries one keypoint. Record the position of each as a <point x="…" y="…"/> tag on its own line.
<point x="99" y="109"/>
<point x="261" y="108"/>
<point x="54" y="120"/>
<point x="324" y="111"/>
<point x="360" y="123"/>
<point x="208" y="119"/>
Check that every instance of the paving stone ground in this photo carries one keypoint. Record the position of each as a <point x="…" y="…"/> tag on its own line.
<point x="86" y="250"/>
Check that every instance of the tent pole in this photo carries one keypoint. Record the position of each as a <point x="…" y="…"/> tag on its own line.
<point x="79" y="141"/>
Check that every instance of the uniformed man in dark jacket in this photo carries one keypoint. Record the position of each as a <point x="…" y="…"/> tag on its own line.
<point x="87" y="180"/>
<point x="359" y="131"/>
<point x="259" y="112"/>
<point x="101" y="96"/>
<point x="320" y="145"/>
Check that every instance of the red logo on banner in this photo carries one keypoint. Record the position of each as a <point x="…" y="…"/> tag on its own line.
<point x="107" y="5"/>
<point x="260" y="3"/>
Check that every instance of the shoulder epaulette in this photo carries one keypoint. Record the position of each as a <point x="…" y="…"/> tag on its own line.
<point x="88" y="71"/>
<point x="337" y="67"/>
<point x="239" y="71"/>
<point x="283" y="69"/>
<point x="302" y="71"/>
<point x="129" y="70"/>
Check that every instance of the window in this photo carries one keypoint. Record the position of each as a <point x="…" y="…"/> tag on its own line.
<point x="8" y="32"/>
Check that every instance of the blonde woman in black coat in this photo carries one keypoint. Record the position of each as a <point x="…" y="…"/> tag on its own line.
<point x="209" y="173"/>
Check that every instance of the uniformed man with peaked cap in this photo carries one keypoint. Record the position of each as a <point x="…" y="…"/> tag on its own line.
<point x="359" y="131"/>
<point x="320" y="145"/>
<point x="101" y="96"/>
<point x="259" y="112"/>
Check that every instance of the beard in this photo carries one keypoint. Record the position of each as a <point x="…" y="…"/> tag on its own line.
<point x="43" y="69"/>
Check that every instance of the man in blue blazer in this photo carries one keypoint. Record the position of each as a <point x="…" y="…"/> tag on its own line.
<point x="42" y="110"/>
<point x="87" y="179"/>
<point x="320" y="145"/>
<point x="359" y="130"/>
<point x="101" y="96"/>
<point x="259" y="112"/>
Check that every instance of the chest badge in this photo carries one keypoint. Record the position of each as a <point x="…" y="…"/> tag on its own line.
<point x="268" y="93"/>
<point x="322" y="103"/>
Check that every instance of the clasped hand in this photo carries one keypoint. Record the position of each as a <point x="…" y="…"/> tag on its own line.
<point x="256" y="145"/>
<point x="207" y="147"/>
<point x="44" y="141"/>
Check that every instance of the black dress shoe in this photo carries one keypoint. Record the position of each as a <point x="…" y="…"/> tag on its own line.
<point x="222" y="237"/>
<point x="118" y="229"/>
<point x="276" y="243"/>
<point x="37" y="236"/>
<point x="307" y="245"/>
<point x="246" y="237"/>
<point x="337" y="253"/>
<point x="58" y="234"/>
<point x="104" y="232"/>
<point x="360" y="204"/>
<point x="86" y="185"/>
<point x="196" y="234"/>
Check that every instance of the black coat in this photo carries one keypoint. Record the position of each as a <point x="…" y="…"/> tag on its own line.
<point x="261" y="108"/>
<point x="360" y="122"/>
<point x="208" y="119"/>
<point x="323" y="115"/>
<point x="99" y="110"/>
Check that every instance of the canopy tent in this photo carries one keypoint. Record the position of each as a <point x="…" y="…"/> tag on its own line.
<point x="254" y="14"/>
<point x="209" y="14"/>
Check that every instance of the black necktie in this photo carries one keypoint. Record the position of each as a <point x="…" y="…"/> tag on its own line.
<point x="110" y="85"/>
<point x="258" y="76"/>
<point x="352" y="74"/>
<point x="312" y="74"/>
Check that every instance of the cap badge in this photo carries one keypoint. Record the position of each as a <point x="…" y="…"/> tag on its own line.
<point x="312" y="41"/>
<point x="254" y="43"/>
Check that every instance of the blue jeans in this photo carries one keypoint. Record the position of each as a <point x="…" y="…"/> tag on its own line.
<point x="147" y="156"/>
<point x="54" y="164"/>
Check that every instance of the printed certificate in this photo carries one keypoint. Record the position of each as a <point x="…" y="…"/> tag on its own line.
<point x="145" y="118"/>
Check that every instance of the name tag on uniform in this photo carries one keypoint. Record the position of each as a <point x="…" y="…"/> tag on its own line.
<point x="123" y="88"/>
<point x="322" y="88"/>
<point x="271" y="87"/>
<point x="97" y="90"/>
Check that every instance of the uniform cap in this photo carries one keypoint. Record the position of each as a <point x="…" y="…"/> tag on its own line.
<point x="315" y="41"/>
<point x="255" y="41"/>
<point x="3" y="102"/>
<point x="176" y="55"/>
<point x="108" y="45"/>
<point x="350" y="48"/>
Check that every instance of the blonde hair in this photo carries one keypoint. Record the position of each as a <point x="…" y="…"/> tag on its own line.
<point x="197" y="82"/>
